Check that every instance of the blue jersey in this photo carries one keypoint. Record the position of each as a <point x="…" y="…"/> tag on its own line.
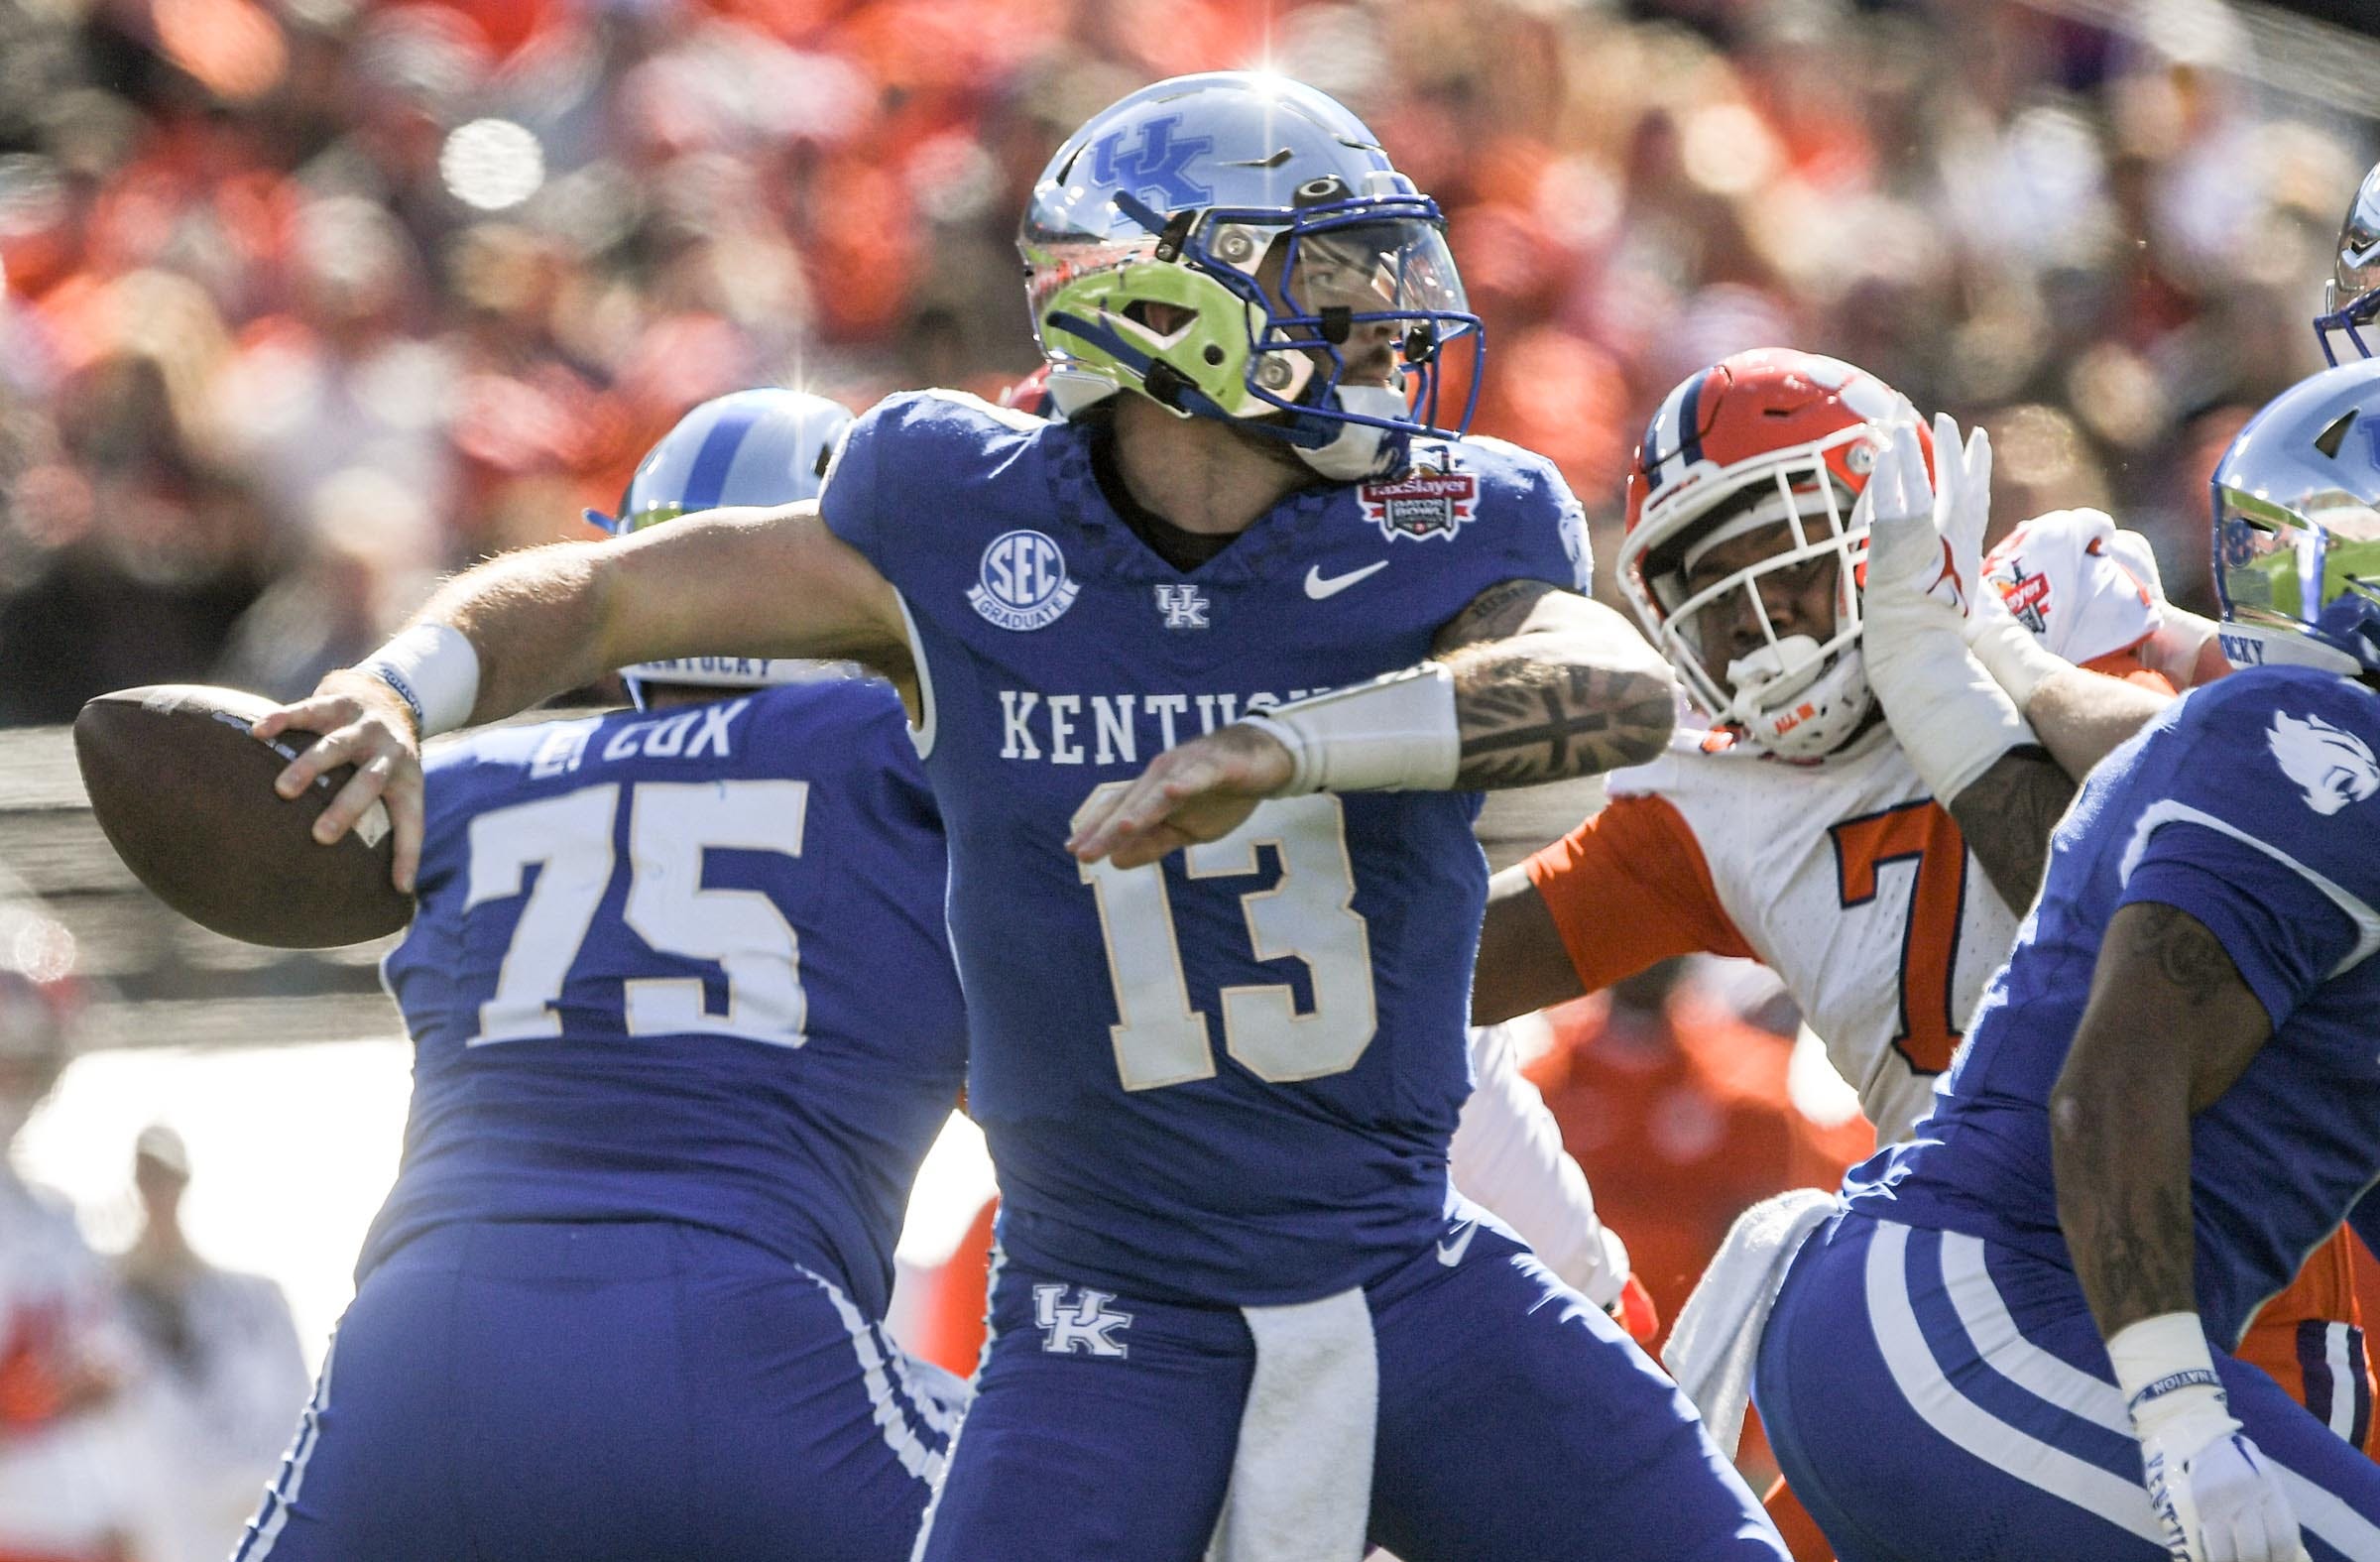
<point x="2250" y="806"/>
<point x="1231" y="1076"/>
<point x="682" y="966"/>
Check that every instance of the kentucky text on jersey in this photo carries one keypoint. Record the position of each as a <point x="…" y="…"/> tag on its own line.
<point x="1228" y="1077"/>
<point x="1121" y="729"/>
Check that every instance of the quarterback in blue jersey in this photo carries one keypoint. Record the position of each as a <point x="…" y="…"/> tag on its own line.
<point x="2015" y="1338"/>
<point x="685" y="1022"/>
<point x="1208" y="677"/>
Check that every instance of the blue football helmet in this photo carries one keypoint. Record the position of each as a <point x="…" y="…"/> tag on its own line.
<point x="751" y="448"/>
<point x="2351" y="298"/>
<point x="2296" y="526"/>
<point x="1237" y="246"/>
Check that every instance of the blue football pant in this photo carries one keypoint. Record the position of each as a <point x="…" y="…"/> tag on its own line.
<point x="1933" y="1397"/>
<point x="1512" y="1420"/>
<point x="604" y="1393"/>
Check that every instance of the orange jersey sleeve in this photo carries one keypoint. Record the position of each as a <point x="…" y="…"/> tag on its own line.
<point x="2124" y="664"/>
<point x="1629" y="888"/>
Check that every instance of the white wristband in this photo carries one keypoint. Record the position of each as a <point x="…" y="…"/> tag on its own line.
<point x="2014" y="655"/>
<point x="1397" y="733"/>
<point x="2160" y="1357"/>
<point x="434" y="668"/>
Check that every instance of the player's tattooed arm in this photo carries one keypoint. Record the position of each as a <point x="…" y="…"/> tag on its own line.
<point x="2007" y="814"/>
<point x="1549" y="685"/>
<point x="2169" y="1026"/>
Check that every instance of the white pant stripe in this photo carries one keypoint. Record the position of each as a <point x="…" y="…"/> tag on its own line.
<point x="2326" y="1515"/>
<point x="899" y="1436"/>
<point x="925" y="1523"/>
<point x="275" y="1513"/>
<point x="2345" y="1377"/>
<point x="1968" y="1424"/>
<point x="1999" y="1342"/>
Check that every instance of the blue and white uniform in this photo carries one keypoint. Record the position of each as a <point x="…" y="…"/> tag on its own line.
<point x="1932" y="1377"/>
<point x="685" y="1023"/>
<point x="1219" y="1089"/>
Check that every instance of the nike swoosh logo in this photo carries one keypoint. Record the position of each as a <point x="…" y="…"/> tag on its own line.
<point x="1451" y="1253"/>
<point x="1320" y="585"/>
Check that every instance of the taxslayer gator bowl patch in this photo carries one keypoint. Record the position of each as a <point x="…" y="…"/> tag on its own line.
<point x="1421" y="504"/>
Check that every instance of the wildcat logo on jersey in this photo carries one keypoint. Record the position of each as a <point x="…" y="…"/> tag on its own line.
<point x="1023" y="582"/>
<point x="2332" y="768"/>
<point x="1088" y="1327"/>
<point x="1421" y="504"/>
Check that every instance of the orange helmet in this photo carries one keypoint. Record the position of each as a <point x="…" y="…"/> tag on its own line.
<point x="1765" y="439"/>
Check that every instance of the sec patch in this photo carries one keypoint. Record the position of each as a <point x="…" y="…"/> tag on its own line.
<point x="1421" y="504"/>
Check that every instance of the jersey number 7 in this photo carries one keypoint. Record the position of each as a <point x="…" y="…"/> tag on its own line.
<point x="1308" y="913"/>
<point x="1918" y="832"/>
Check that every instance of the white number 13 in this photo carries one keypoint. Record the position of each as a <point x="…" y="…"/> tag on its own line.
<point x="1309" y="913"/>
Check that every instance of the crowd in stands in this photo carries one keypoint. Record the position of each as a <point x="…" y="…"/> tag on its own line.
<point x="306" y="300"/>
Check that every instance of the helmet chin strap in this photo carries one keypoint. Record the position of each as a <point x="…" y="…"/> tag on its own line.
<point x="1358" y="450"/>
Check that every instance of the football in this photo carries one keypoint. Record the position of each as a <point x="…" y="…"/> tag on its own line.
<point x="185" y="797"/>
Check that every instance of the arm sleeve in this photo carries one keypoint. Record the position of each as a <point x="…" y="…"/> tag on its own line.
<point x="2283" y="930"/>
<point x="1629" y="888"/>
<point x="1508" y="1155"/>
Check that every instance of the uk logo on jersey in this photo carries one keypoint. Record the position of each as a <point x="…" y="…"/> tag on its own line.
<point x="1421" y="504"/>
<point x="1089" y="1326"/>
<point x="1184" y="606"/>
<point x="2330" y="766"/>
<point x="1023" y="582"/>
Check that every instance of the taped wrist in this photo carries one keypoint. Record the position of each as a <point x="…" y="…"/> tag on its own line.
<point x="2166" y="1372"/>
<point x="2014" y="655"/>
<point x="1949" y="714"/>
<point x="1397" y="733"/>
<point x="434" y="670"/>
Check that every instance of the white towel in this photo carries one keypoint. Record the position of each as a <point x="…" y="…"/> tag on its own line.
<point x="1301" y="1478"/>
<point x="1716" y="1342"/>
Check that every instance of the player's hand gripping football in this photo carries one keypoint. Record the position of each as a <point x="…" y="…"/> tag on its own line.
<point x="2216" y="1495"/>
<point x="366" y="724"/>
<point x="1200" y="791"/>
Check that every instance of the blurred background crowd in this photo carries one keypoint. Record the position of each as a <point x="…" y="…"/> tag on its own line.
<point x="306" y="300"/>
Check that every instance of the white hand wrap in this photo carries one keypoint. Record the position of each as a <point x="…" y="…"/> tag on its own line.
<point x="1397" y="733"/>
<point x="2216" y="1495"/>
<point x="2014" y="655"/>
<point x="1950" y="715"/>
<point x="434" y="668"/>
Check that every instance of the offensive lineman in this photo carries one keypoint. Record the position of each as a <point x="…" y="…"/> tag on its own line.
<point x="2170" y="1096"/>
<point x="1218" y="1084"/>
<point x="686" y="1025"/>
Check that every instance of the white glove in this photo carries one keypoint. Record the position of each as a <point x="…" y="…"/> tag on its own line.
<point x="1924" y="560"/>
<point x="2220" y="1498"/>
<point x="2214" y="1493"/>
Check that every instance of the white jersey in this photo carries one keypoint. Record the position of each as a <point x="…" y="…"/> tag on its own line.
<point x="1843" y="876"/>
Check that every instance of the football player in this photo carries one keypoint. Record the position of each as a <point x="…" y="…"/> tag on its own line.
<point x="2170" y="1096"/>
<point x="1876" y="874"/>
<point x="685" y="1022"/>
<point x="1208" y="677"/>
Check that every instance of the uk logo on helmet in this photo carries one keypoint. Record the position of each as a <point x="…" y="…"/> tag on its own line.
<point x="1023" y="582"/>
<point x="1158" y="168"/>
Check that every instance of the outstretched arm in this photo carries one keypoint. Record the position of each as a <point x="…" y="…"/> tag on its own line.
<point x="527" y="625"/>
<point x="1548" y="686"/>
<point x="1533" y="684"/>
